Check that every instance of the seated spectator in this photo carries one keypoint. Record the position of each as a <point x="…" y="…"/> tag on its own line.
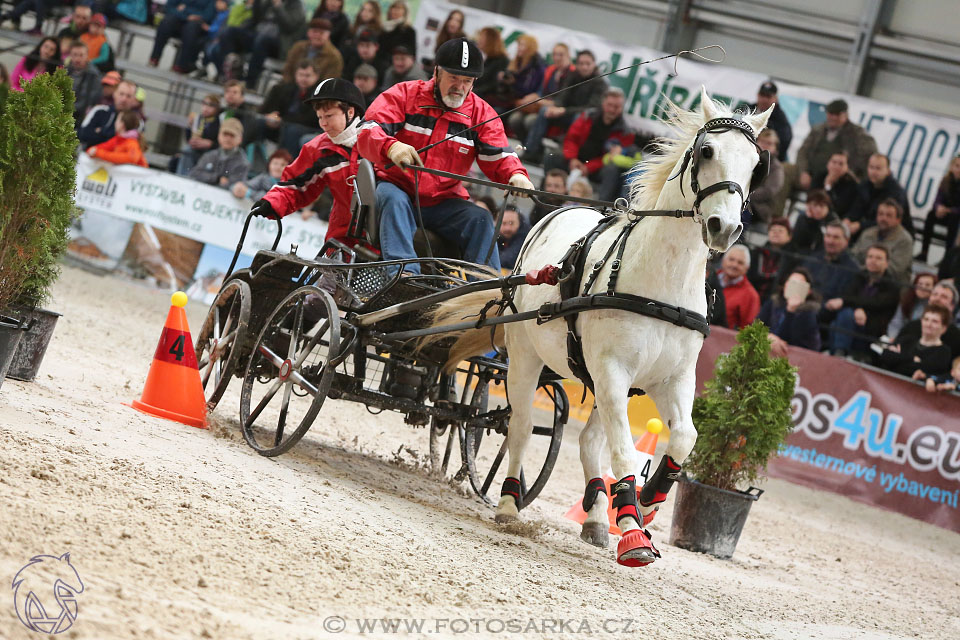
<point x="99" y="124"/>
<point x="42" y="59"/>
<point x="188" y="21"/>
<point x="836" y="134"/>
<point x="211" y="45"/>
<point x="832" y="267"/>
<point x="764" y="201"/>
<point x="879" y="185"/>
<point x="125" y="147"/>
<point x="866" y="307"/>
<point x="86" y="82"/>
<point x="594" y="137"/>
<point x="403" y="69"/>
<point x="364" y="50"/>
<point x="368" y="18"/>
<point x="944" y="294"/>
<point x="521" y="76"/>
<point x="579" y="188"/>
<point x="913" y="300"/>
<point x="495" y="62"/>
<point x="522" y="120"/>
<point x="567" y="105"/>
<point x="235" y="106"/>
<point x="936" y="384"/>
<point x="201" y="136"/>
<point x="452" y="28"/>
<point x="742" y="300"/>
<point x="270" y="30"/>
<point x="950" y="265"/>
<point x="890" y="233"/>
<point x="98" y="47"/>
<point x="79" y="21"/>
<point x="257" y="187"/>
<point x="945" y="211"/>
<point x="769" y="262"/>
<point x="227" y="164"/>
<point x="513" y="231"/>
<point x="791" y="314"/>
<point x="808" y="234"/>
<point x="397" y="31"/>
<point x="555" y="181"/>
<point x="39" y="8"/>
<point x="108" y="85"/>
<point x="839" y="183"/>
<point x="778" y="122"/>
<point x="287" y="117"/>
<point x="332" y="10"/>
<point x="926" y="355"/>
<point x="366" y="79"/>
<point x="318" y="51"/>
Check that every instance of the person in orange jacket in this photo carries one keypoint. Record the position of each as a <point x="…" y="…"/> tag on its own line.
<point x="123" y="148"/>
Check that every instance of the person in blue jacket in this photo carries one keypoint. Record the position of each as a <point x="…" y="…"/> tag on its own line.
<point x="791" y="314"/>
<point x="189" y="20"/>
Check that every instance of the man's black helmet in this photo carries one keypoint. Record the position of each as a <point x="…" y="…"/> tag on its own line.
<point x="340" y="90"/>
<point x="460" y="56"/>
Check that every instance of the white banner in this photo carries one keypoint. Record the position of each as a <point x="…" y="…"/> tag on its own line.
<point x="187" y="208"/>
<point x="920" y="145"/>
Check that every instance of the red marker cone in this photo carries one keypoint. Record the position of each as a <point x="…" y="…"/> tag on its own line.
<point x="173" y="389"/>
<point x="646" y="445"/>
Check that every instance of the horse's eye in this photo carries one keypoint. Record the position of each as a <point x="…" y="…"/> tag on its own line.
<point x="706" y="153"/>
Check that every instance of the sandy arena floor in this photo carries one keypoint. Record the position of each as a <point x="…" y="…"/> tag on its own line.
<point x="178" y="532"/>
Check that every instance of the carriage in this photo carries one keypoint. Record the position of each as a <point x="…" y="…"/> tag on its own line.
<point x="298" y="331"/>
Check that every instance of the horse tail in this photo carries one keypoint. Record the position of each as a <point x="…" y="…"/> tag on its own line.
<point x="470" y="342"/>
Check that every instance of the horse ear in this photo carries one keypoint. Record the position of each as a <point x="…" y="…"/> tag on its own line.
<point x="66" y="556"/>
<point x="707" y="107"/>
<point x="759" y="120"/>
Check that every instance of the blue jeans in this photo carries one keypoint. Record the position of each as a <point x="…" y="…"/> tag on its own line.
<point x="458" y="221"/>
<point x="844" y="339"/>
<point x="534" y="142"/>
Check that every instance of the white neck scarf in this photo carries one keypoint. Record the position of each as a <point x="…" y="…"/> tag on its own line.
<point x="347" y="137"/>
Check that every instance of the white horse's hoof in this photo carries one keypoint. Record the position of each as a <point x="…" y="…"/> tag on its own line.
<point x="505" y="518"/>
<point x="595" y="533"/>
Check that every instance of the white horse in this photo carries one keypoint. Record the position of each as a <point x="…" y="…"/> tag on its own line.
<point x="665" y="260"/>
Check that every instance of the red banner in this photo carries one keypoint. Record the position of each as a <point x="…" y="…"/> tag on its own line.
<point x="862" y="433"/>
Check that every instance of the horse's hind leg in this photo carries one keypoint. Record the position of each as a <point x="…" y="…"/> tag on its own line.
<point x="523" y="376"/>
<point x="592" y="441"/>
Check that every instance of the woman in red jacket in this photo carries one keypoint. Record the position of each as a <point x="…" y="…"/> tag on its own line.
<point x="324" y="162"/>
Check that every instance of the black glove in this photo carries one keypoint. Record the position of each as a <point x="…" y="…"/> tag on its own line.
<point x="264" y="209"/>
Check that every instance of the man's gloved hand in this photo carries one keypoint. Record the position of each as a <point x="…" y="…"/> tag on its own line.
<point x="520" y="180"/>
<point x="264" y="209"/>
<point x="401" y="153"/>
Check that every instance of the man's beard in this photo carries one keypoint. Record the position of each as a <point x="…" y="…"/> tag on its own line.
<point x="454" y="102"/>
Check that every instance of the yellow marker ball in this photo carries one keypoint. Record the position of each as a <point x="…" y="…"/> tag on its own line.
<point x="179" y="299"/>
<point x="654" y="425"/>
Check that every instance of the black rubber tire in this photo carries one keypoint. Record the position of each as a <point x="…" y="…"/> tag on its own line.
<point x="217" y="353"/>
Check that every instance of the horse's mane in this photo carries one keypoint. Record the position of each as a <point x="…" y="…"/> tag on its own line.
<point x="656" y="168"/>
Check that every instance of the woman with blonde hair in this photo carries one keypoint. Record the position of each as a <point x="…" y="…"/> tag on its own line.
<point x="494" y="64"/>
<point x="397" y="31"/>
<point x="452" y="28"/>
<point x="524" y="74"/>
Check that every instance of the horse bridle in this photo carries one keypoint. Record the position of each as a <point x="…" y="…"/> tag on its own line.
<point x="695" y="153"/>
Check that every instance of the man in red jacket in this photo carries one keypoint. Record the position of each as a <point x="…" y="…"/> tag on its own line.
<point x="411" y="115"/>
<point x="742" y="300"/>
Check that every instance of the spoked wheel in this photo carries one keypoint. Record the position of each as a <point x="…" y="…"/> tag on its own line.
<point x="220" y="341"/>
<point x="440" y="451"/>
<point x="289" y="374"/>
<point x="484" y="450"/>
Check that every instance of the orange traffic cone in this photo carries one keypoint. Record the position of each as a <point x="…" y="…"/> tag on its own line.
<point x="646" y="445"/>
<point x="173" y="389"/>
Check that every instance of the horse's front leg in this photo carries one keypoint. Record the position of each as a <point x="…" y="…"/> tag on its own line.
<point x="592" y="440"/>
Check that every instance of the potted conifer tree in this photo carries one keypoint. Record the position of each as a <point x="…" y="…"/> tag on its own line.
<point x="37" y="185"/>
<point x="742" y="418"/>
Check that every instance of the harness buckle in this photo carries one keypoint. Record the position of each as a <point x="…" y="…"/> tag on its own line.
<point x="598" y="264"/>
<point x="615" y="266"/>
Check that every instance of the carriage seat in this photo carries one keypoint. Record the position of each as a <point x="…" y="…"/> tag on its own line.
<point x="365" y="218"/>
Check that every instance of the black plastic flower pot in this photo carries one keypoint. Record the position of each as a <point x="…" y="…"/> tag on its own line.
<point x="11" y="332"/>
<point x="33" y="344"/>
<point x="709" y="520"/>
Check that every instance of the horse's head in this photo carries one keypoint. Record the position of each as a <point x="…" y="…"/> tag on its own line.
<point x="725" y="165"/>
<point x="42" y="583"/>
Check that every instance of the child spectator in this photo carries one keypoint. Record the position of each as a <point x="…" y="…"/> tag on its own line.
<point x="791" y="314"/>
<point x="923" y="357"/>
<point x="257" y="187"/>
<point x="225" y="165"/>
<point x="98" y="48"/>
<point x="43" y="59"/>
<point x="945" y="383"/>
<point x="124" y="147"/>
<point x="452" y="28"/>
<point x="913" y="300"/>
<point x="772" y="259"/>
<point x="945" y="211"/>
<point x="742" y="300"/>
<point x="202" y="134"/>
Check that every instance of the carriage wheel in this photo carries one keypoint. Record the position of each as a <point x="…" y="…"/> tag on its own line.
<point x="440" y="458"/>
<point x="484" y="451"/>
<point x="288" y="373"/>
<point x="220" y="341"/>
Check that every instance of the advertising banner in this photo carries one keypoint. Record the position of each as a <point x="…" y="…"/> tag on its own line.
<point x="874" y="437"/>
<point x="919" y="144"/>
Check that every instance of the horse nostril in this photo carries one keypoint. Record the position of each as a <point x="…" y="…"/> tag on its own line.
<point x="714" y="225"/>
<point x="738" y="230"/>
